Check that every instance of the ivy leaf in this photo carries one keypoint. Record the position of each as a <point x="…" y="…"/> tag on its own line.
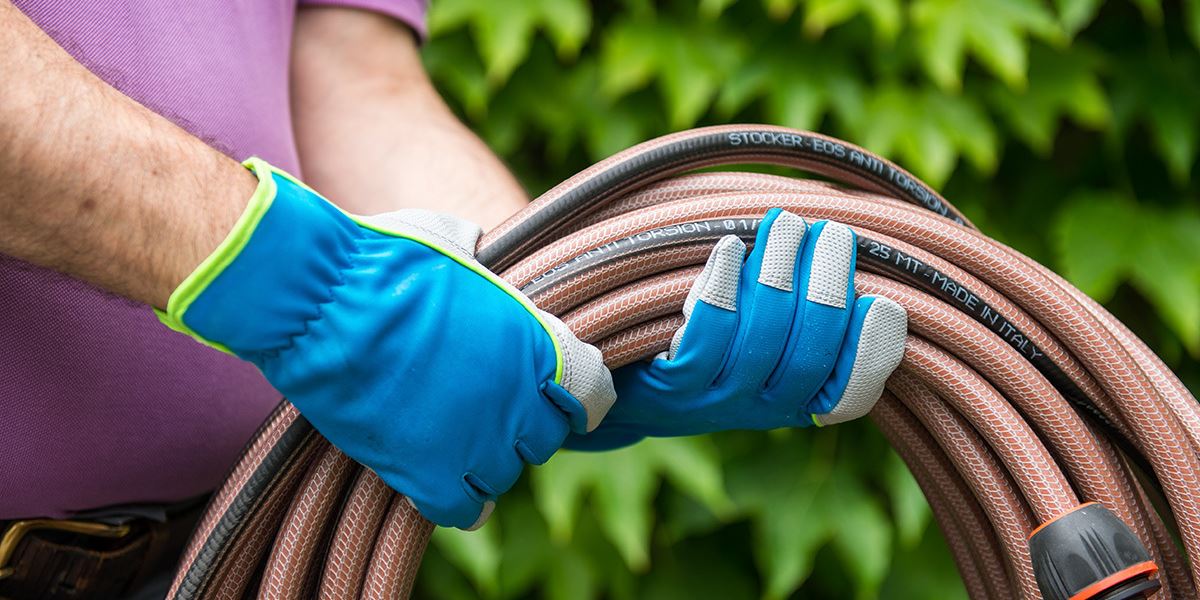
<point x="615" y="129"/>
<point x="1172" y="287"/>
<point x="1163" y="91"/>
<point x="942" y="43"/>
<point x="688" y="63"/>
<point x="883" y="119"/>
<point x="693" y="465"/>
<point x="559" y="487"/>
<point x="570" y="578"/>
<point x="504" y="31"/>
<point x="624" y="483"/>
<point x="1093" y="250"/>
<point x="886" y="16"/>
<point x="1076" y="14"/>
<point x="639" y="8"/>
<point x="526" y="550"/>
<point x="995" y="32"/>
<point x="476" y="553"/>
<point x="791" y="101"/>
<point x="929" y="149"/>
<point x="1191" y="12"/>
<point x="968" y="126"/>
<point x="503" y="36"/>
<point x="780" y="10"/>
<point x="910" y="511"/>
<point x="862" y="534"/>
<point x="746" y="84"/>
<point x="439" y="579"/>
<point x="1061" y="85"/>
<point x="695" y="65"/>
<point x="684" y="517"/>
<point x="927" y="567"/>
<point x="623" y="492"/>
<point x="629" y="57"/>
<point x="452" y="63"/>
<point x="822" y="15"/>
<point x="926" y="130"/>
<point x="678" y="576"/>
<point x="1151" y="10"/>
<point x="1106" y="240"/>
<point x="568" y="23"/>
<point x="711" y="9"/>
<point x="781" y="489"/>
<point x="448" y="15"/>
<point x="1175" y="126"/>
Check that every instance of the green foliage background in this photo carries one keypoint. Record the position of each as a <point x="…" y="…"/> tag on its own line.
<point x="1068" y="129"/>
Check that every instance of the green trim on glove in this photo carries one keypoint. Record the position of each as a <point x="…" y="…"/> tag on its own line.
<point x="264" y="195"/>
<point x="226" y="252"/>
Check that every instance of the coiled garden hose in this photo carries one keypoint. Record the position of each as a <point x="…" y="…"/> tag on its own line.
<point x="1059" y="454"/>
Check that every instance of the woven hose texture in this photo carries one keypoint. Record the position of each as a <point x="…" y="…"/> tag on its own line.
<point x="1019" y="400"/>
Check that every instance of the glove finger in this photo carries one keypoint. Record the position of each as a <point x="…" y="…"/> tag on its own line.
<point x="874" y="347"/>
<point x="485" y="483"/>
<point x="486" y="506"/>
<point x="699" y="347"/>
<point x="716" y="284"/>
<point x="585" y="390"/>
<point x="825" y="274"/>
<point x="541" y="433"/>
<point x="464" y="507"/>
<point x="768" y="313"/>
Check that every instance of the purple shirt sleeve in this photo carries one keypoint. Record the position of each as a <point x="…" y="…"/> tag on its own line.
<point x="409" y="12"/>
<point x="101" y="405"/>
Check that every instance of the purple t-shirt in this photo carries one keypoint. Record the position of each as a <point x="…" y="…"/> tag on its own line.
<point x="100" y="404"/>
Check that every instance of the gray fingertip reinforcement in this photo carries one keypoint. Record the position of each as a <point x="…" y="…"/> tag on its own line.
<point x="779" y="257"/>
<point x="830" y="270"/>
<point x="484" y="514"/>
<point x="717" y="284"/>
<point x="724" y="269"/>
<point x="584" y="375"/>
<point x="880" y="348"/>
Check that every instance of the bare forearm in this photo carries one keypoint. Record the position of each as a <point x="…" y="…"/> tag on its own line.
<point x="97" y="186"/>
<point x="373" y="132"/>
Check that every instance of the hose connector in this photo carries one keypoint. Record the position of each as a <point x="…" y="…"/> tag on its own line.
<point x="1089" y="554"/>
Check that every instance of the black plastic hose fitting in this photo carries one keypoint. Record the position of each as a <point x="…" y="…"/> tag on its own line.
<point x="1089" y="554"/>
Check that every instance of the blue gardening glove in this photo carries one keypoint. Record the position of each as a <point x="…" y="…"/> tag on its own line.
<point x="778" y="342"/>
<point x="397" y="345"/>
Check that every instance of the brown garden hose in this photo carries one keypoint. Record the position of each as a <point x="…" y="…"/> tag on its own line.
<point x="1059" y="454"/>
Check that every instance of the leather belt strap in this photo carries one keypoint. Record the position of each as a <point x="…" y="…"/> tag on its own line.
<point x="49" y="559"/>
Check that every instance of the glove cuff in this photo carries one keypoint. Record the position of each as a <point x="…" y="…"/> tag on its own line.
<point x="270" y="274"/>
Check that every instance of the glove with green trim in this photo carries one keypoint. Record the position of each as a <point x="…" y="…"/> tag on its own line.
<point x="395" y="343"/>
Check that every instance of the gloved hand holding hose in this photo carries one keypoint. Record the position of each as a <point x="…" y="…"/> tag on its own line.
<point x="418" y="362"/>
<point x="777" y="342"/>
<point x="395" y="343"/>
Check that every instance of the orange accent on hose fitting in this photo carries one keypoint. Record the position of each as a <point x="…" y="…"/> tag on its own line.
<point x="1145" y="568"/>
<point x="1043" y="525"/>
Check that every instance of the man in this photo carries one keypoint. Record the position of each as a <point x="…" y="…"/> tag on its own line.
<point x="118" y="193"/>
